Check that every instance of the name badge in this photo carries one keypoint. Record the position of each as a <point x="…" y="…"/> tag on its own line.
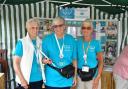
<point x="85" y="69"/>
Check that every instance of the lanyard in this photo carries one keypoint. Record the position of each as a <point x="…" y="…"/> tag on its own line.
<point x="46" y="56"/>
<point x="60" y="49"/>
<point x="85" y="52"/>
<point x="36" y="53"/>
<point x="39" y="61"/>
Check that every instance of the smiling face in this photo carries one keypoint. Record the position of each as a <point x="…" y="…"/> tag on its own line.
<point x="32" y="28"/>
<point x="59" y="26"/>
<point x="87" y="29"/>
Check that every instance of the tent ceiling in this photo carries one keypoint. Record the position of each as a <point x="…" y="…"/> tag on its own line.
<point x="109" y="6"/>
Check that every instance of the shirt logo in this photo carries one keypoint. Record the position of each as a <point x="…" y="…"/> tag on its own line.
<point x="67" y="47"/>
<point x="92" y="48"/>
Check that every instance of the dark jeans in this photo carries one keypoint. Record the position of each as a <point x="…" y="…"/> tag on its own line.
<point x="48" y="87"/>
<point x="32" y="85"/>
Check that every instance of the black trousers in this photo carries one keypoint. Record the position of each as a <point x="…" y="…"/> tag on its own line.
<point x="49" y="87"/>
<point x="32" y="85"/>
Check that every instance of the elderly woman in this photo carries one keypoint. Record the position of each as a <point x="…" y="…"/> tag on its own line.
<point x="61" y="49"/>
<point x="90" y="59"/>
<point x="27" y="60"/>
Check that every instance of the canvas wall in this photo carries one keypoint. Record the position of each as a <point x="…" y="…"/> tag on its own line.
<point x="13" y="18"/>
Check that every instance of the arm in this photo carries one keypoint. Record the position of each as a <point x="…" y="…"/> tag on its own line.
<point x="100" y="64"/>
<point x="17" y="69"/>
<point x="99" y="58"/>
<point x="44" y="52"/>
<point x="75" y="63"/>
<point x="100" y="69"/>
<point x="75" y="75"/>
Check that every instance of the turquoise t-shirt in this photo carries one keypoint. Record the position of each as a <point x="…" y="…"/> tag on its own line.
<point x="50" y="48"/>
<point x="36" y="74"/>
<point x="93" y="49"/>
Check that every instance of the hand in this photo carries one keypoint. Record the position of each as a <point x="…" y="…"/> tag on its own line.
<point x="96" y="82"/>
<point x="46" y="61"/>
<point x="24" y="84"/>
<point x="74" y="81"/>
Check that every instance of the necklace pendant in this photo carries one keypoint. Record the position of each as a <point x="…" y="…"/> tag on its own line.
<point x="85" y="56"/>
<point x="61" y="56"/>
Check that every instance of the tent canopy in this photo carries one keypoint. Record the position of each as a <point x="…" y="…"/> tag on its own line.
<point x="109" y="6"/>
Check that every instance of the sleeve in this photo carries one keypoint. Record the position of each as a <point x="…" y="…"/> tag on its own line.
<point x="98" y="47"/>
<point x="19" y="49"/>
<point x="74" y="50"/>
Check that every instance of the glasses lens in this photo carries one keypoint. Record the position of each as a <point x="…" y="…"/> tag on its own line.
<point x="88" y="28"/>
<point x="56" y="26"/>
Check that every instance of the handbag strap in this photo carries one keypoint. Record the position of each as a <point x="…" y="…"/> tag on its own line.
<point x="57" y="69"/>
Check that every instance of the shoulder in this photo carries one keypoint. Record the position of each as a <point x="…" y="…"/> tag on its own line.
<point x="48" y="37"/>
<point x="19" y="47"/>
<point x="79" y="40"/>
<point x="24" y="39"/>
<point x="69" y="36"/>
<point x="125" y="49"/>
<point x="95" y="41"/>
<point x="19" y="42"/>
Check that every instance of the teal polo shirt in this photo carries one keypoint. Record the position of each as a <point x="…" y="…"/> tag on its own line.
<point x="50" y="48"/>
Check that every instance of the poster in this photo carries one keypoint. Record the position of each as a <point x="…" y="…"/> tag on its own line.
<point x="45" y="27"/>
<point x="99" y="26"/>
<point x="67" y="12"/>
<point x="75" y="13"/>
<point x="82" y="13"/>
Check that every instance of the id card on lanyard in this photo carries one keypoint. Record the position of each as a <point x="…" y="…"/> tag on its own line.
<point x="61" y="55"/>
<point x="85" y="68"/>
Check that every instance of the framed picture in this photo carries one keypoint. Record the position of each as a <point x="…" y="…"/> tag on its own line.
<point x="99" y="26"/>
<point x="45" y="27"/>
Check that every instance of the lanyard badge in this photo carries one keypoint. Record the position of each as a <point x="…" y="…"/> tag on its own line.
<point x="61" y="55"/>
<point x="85" y="68"/>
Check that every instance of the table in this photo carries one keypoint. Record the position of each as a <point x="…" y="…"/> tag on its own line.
<point x="2" y="81"/>
<point x="107" y="81"/>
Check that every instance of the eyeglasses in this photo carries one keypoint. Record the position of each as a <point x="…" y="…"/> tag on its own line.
<point x="88" y="28"/>
<point x="56" y="26"/>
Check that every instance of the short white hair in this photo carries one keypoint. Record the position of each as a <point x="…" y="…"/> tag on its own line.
<point x="58" y="19"/>
<point x="88" y="21"/>
<point x="31" y="20"/>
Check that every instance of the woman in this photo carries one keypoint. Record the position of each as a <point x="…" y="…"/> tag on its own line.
<point x="90" y="59"/>
<point x="61" y="49"/>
